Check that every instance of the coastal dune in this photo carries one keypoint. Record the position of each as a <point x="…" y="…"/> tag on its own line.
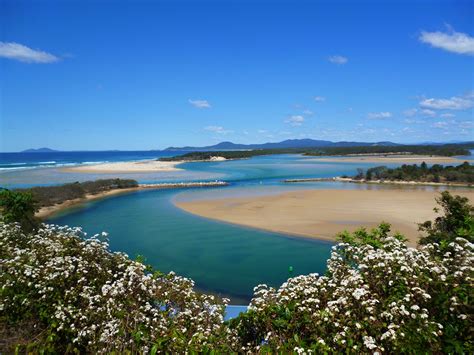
<point x="144" y="166"/>
<point x="322" y="214"/>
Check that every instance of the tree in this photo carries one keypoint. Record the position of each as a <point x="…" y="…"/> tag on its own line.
<point x="373" y="237"/>
<point x="456" y="221"/>
<point x="19" y="207"/>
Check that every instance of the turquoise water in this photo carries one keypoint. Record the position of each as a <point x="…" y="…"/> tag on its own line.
<point x="221" y="258"/>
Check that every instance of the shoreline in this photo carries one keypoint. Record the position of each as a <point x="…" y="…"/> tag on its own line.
<point x="140" y="166"/>
<point x="388" y="182"/>
<point x="48" y="211"/>
<point x="322" y="214"/>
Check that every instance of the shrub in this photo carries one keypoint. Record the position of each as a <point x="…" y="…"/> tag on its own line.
<point x="18" y="207"/>
<point x="457" y="220"/>
<point x="386" y="299"/>
<point x="64" y="293"/>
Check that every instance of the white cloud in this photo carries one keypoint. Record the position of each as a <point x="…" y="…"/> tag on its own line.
<point x="447" y="115"/>
<point x="466" y="124"/>
<point x="308" y="112"/>
<point x="200" y="103"/>
<point x="217" y="129"/>
<point x="25" y="54"/>
<point x="265" y="133"/>
<point x="414" y="121"/>
<point x="470" y="95"/>
<point x="440" y="124"/>
<point x="319" y="98"/>
<point x="428" y="113"/>
<point x="379" y="115"/>
<point x="295" y="120"/>
<point x="453" y="103"/>
<point x="338" y="59"/>
<point x="410" y="112"/>
<point x="456" y="42"/>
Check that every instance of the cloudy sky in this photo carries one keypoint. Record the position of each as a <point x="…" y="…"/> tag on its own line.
<point x="145" y="75"/>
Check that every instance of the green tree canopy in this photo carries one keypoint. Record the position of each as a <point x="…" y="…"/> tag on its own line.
<point x="457" y="220"/>
<point x="19" y="207"/>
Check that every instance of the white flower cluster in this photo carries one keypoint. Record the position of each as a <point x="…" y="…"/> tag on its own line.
<point x="71" y="294"/>
<point x="386" y="299"/>
<point x="98" y="300"/>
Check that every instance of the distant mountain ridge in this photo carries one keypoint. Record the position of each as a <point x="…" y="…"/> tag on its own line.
<point x="289" y="143"/>
<point x="39" y="150"/>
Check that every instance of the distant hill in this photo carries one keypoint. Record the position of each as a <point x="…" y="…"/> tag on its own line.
<point x="39" y="150"/>
<point x="289" y="143"/>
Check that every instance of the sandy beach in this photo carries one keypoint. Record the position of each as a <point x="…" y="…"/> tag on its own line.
<point x="402" y="158"/>
<point x="322" y="214"/>
<point x="145" y="166"/>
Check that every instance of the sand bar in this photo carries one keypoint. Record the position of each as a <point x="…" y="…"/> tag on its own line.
<point x="145" y="166"/>
<point x="396" y="159"/>
<point x="322" y="214"/>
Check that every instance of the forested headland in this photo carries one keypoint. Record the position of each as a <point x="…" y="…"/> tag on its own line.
<point x="446" y="150"/>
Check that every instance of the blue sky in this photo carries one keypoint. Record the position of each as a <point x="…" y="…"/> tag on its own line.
<point x="149" y="74"/>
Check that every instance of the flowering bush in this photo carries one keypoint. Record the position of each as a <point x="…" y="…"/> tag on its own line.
<point x="384" y="298"/>
<point x="62" y="293"/>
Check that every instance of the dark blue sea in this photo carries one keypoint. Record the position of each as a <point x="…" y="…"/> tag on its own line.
<point x="21" y="161"/>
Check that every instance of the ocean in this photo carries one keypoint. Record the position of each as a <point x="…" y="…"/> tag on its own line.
<point x="22" y="161"/>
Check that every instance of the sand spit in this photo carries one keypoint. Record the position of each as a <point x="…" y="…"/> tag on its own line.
<point x="321" y="214"/>
<point x="48" y="211"/>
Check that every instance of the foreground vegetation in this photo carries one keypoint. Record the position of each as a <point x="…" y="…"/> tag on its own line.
<point x="463" y="173"/>
<point x="62" y="292"/>
<point x="21" y="205"/>
<point x="441" y="150"/>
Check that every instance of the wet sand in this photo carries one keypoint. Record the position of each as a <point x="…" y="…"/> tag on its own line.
<point x="321" y="214"/>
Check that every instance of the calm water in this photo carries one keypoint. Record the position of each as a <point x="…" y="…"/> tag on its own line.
<point x="221" y="258"/>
